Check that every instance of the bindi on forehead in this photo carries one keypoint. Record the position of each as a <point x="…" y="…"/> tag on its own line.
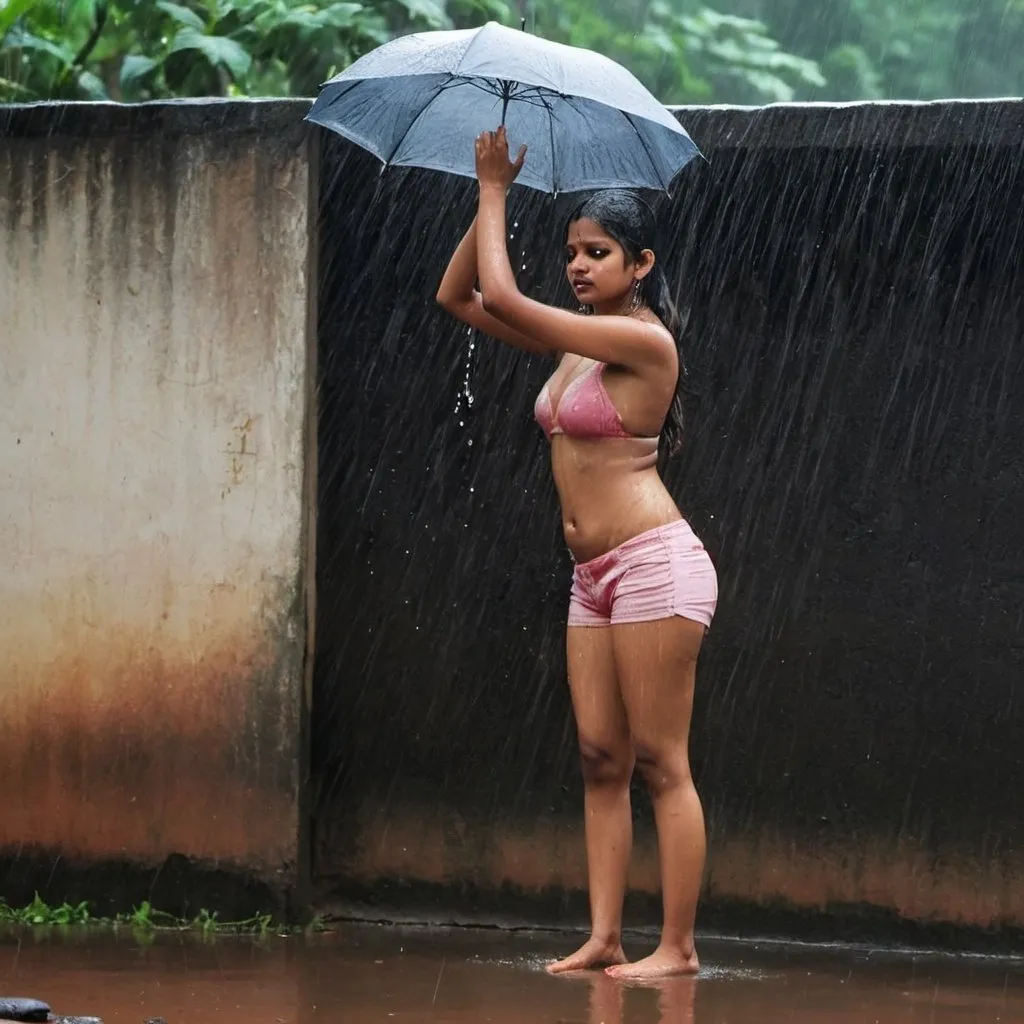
<point x="590" y="241"/>
<point x="586" y="233"/>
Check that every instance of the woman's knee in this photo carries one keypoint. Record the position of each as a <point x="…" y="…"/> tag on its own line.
<point x="606" y="764"/>
<point x="662" y="768"/>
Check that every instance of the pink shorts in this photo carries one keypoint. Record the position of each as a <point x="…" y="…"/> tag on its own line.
<point x="655" y="575"/>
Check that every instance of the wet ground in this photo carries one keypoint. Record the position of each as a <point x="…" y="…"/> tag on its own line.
<point x="362" y="974"/>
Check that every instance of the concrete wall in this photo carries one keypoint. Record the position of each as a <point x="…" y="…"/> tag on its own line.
<point x="855" y="288"/>
<point x="855" y="284"/>
<point x="155" y="295"/>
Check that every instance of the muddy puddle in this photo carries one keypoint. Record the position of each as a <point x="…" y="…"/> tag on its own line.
<point x="361" y="974"/>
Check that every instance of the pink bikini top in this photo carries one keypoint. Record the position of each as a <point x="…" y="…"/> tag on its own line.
<point x="584" y="410"/>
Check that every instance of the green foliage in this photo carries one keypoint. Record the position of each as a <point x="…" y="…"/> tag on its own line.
<point x="904" y="49"/>
<point x="39" y="913"/>
<point x="683" y="52"/>
<point x="144" y="919"/>
<point x="130" y="50"/>
<point x="756" y="51"/>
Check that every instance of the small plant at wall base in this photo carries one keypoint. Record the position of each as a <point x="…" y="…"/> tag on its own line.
<point x="143" y="918"/>
<point x="40" y="913"/>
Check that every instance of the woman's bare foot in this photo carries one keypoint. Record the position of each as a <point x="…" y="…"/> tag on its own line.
<point x="664" y="962"/>
<point x="593" y="953"/>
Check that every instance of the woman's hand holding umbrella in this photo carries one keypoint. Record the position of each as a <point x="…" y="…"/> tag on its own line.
<point x="494" y="169"/>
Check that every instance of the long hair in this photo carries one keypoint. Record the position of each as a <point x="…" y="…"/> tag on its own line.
<point x="627" y="218"/>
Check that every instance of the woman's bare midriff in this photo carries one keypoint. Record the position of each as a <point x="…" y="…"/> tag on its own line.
<point x="610" y="491"/>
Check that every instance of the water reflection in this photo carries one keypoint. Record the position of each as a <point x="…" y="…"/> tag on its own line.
<point x="676" y="1000"/>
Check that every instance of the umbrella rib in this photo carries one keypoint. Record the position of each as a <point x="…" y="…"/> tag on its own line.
<point x="533" y="96"/>
<point x="546" y="103"/>
<point x="643" y="142"/>
<point x="412" y="123"/>
<point x="487" y="85"/>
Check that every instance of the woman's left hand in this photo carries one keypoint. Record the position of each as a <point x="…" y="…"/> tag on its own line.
<point x="493" y="167"/>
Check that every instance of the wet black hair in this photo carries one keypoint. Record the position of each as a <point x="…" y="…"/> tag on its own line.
<point x="630" y="221"/>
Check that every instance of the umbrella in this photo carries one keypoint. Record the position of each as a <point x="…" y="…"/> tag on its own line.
<point x="420" y="101"/>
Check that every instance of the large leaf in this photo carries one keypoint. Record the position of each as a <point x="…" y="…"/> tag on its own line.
<point x="135" y="66"/>
<point x="431" y="12"/>
<point x="20" y="39"/>
<point x="660" y="40"/>
<point x="218" y="50"/>
<point x="92" y="86"/>
<point x="771" y="86"/>
<point x="182" y="15"/>
<point x="306" y="18"/>
<point x="342" y="15"/>
<point x="476" y="12"/>
<point x="12" y="11"/>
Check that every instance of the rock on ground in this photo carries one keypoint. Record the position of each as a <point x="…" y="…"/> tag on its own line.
<point x="18" y="1008"/>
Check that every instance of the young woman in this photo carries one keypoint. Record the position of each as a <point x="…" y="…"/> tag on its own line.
<point x="644" y="589"/>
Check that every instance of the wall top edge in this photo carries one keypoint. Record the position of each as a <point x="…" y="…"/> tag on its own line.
<point x="890" y="124"/>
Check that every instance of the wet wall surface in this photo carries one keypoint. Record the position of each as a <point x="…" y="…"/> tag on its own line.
<point x="854" y="287"/>
<point x="154" y="308"/>
<point x="364" y="976"/>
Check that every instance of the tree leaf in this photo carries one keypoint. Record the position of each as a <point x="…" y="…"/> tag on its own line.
<point x="11" y="92"/>
<point x="660" y="40"/>
<point x="19" y="39"/>
<point x="342" y="15"/>
<point x="92" y="86"/>
<point x="182" y="15"/>
<point x="430" y="11"/>
<point x="218" y="50"/>
<point x="306" y="18"/>
<point x="135" y="66"/>
<point x="773" y="87"/>
<point x="11" y="11"/>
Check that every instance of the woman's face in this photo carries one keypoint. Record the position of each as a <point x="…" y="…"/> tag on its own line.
<point x="600" y="274"/>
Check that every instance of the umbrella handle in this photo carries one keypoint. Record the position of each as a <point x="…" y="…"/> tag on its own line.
<point x="506" y="95"/>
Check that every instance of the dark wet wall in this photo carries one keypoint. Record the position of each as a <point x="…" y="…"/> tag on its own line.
<point x="155" y="304"/>
<point x="855" y="290"/>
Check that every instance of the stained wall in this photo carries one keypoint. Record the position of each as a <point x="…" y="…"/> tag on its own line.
<point x="155" y="296"/>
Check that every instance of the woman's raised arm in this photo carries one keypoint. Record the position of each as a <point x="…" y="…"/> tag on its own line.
<point x="458" y="295"/>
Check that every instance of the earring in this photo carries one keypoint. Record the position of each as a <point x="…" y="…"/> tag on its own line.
<point x="635" y="305"/>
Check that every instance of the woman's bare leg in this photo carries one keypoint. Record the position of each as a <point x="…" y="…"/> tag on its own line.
<point x="656" y="664"/>
<point x="606" y="756"/>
